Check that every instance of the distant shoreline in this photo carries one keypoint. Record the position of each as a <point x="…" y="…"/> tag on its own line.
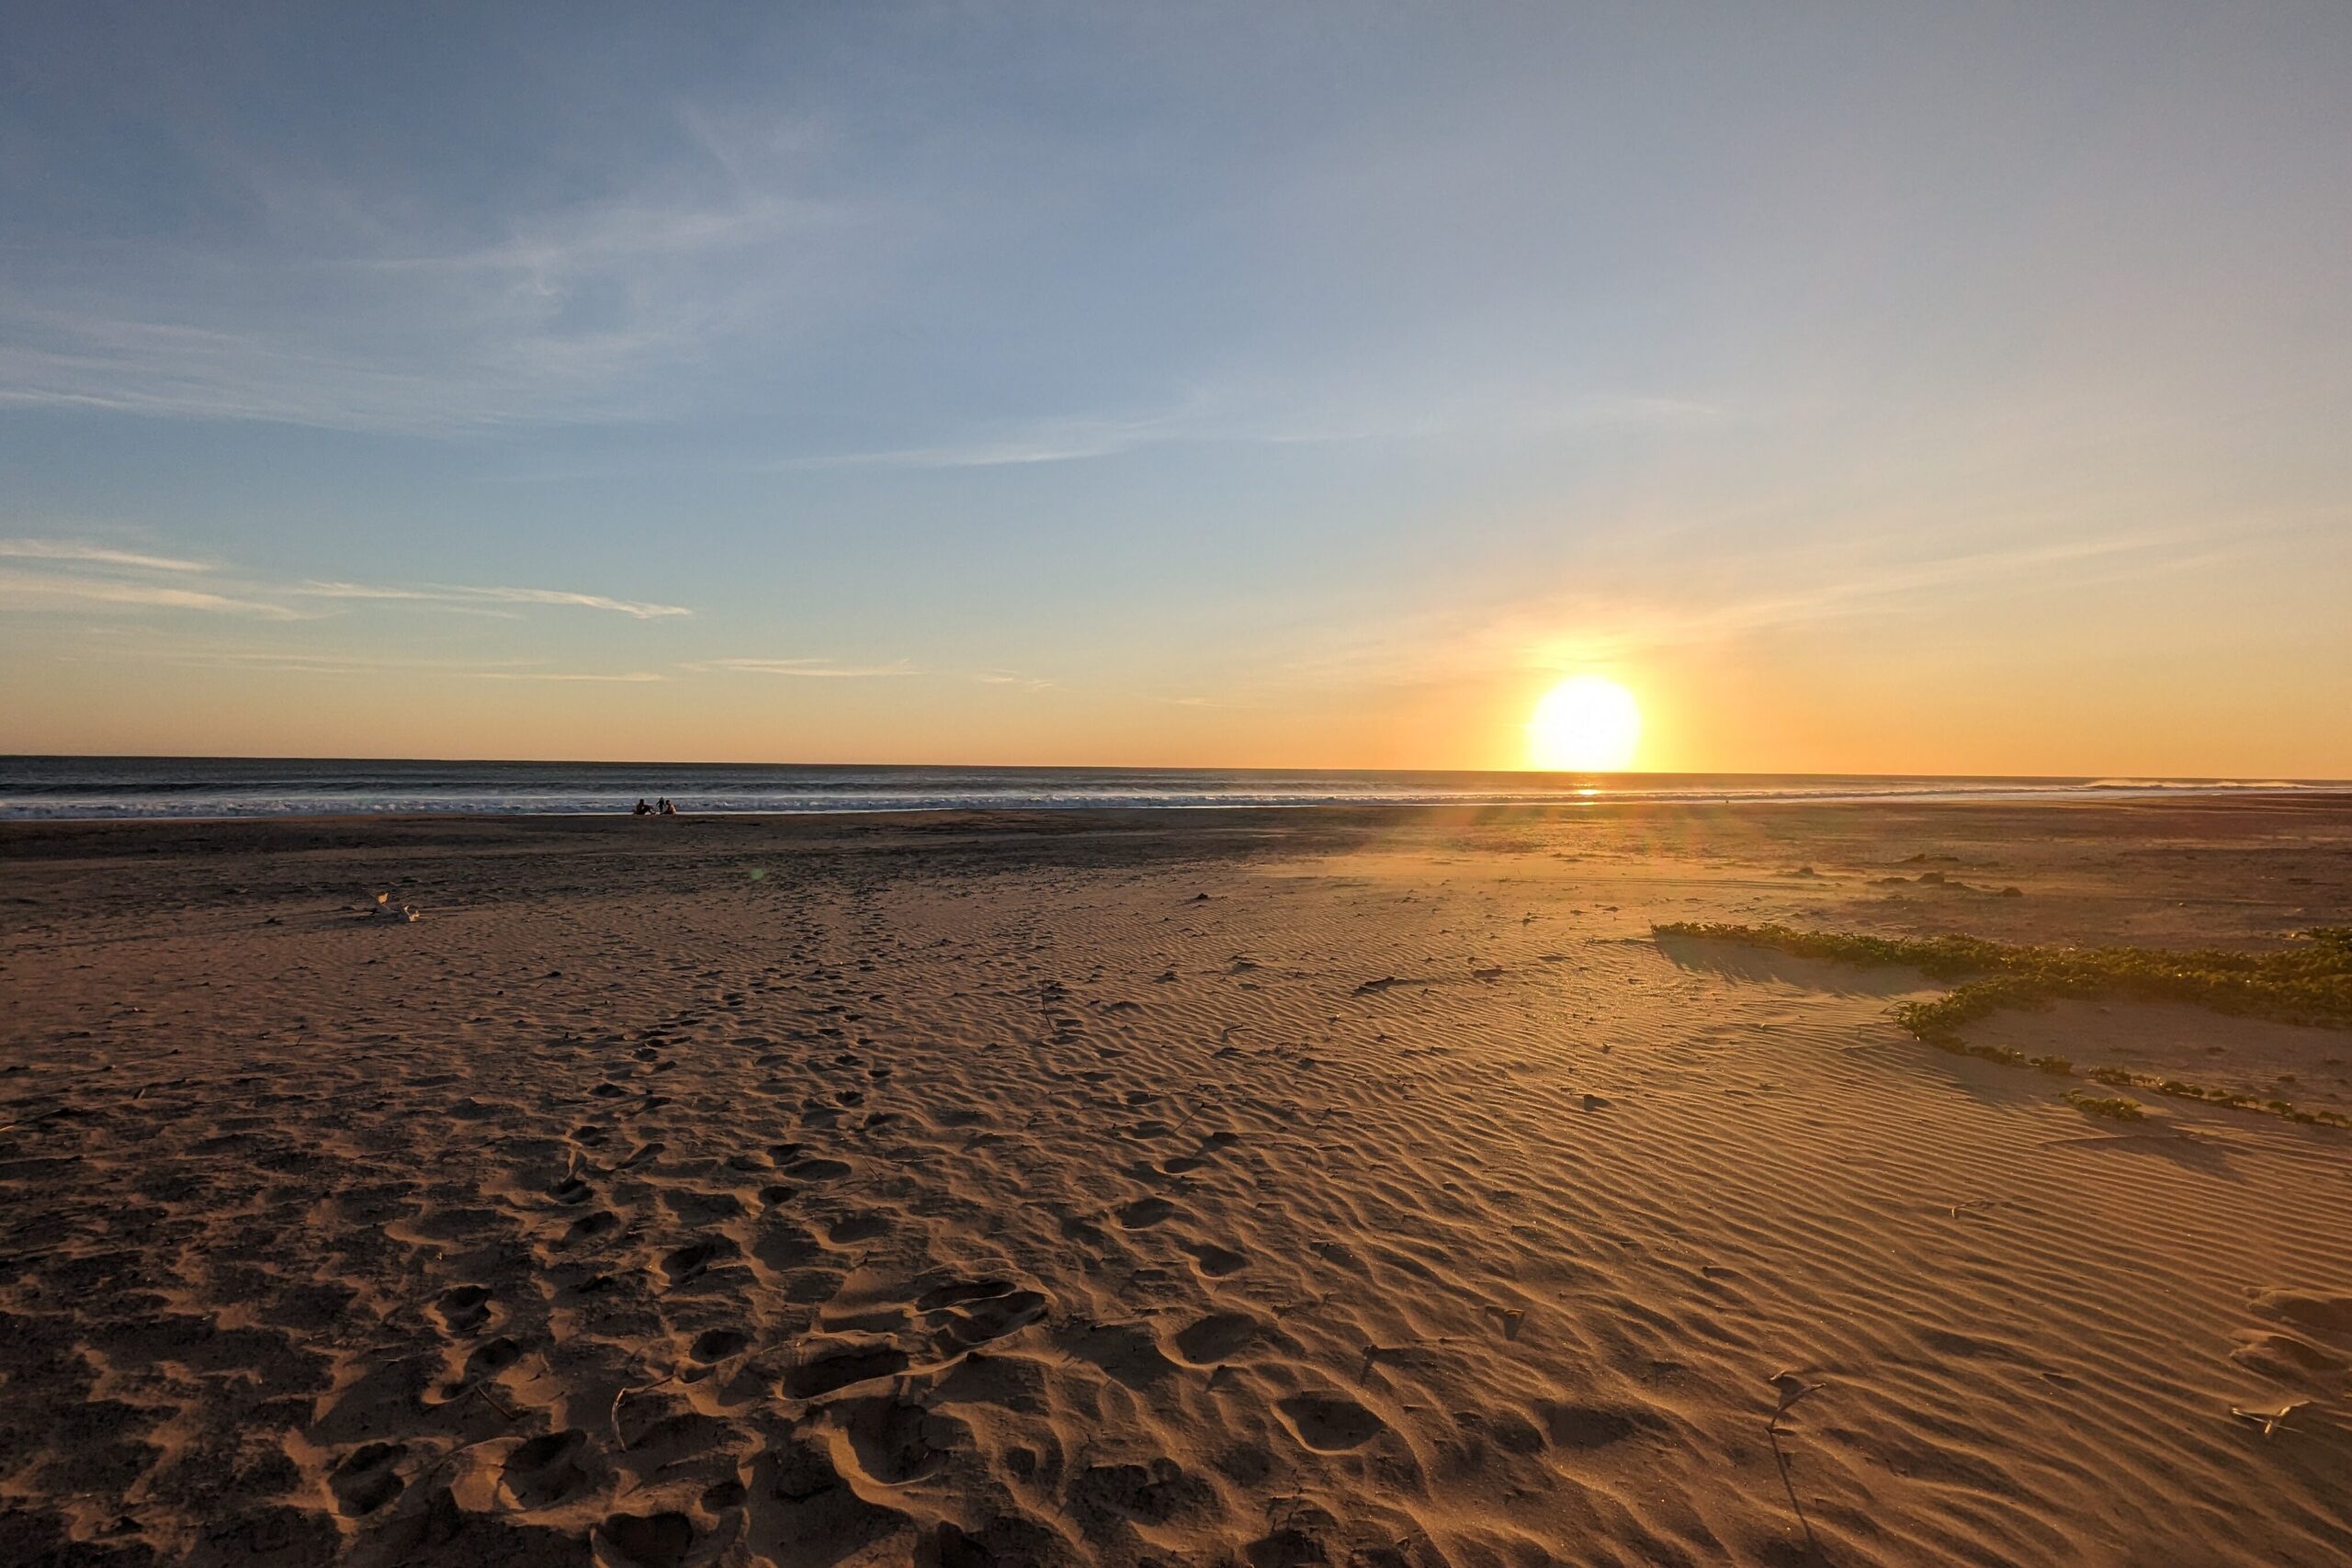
<point x="217" y="789"/>
<point x="272" y="831"/>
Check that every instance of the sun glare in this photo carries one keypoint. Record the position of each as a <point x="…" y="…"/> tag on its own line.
<point x="1584" y="724"/>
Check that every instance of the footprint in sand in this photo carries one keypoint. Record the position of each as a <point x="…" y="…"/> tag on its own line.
<point x="648" y="1540"/>
<point x="547" y="1472"/>
<point x="1145" y="1211"/>
<point x="492" y="1358"/>
<point x="1128" y="1353"/>
<point x="1330" y="1423"/>
<point x="1216" y="1338"/>
<point x="1216" y="1262"/>
<point x="464" y="1308"/>
<point x="855" y="1228"/>
<point x="839" y="1369"/>
<point x="365" y="1479"/>
<point x="698" y="1257"/>
<point x="718" y="1344"/>
<point x="1587" y="1427"/>
<point x="695" y="1207"/>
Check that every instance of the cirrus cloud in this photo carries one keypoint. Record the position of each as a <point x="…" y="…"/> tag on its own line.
<point x="95" y="555"/>
<point x="801" y="669"/>
<point x="450" y="593"/>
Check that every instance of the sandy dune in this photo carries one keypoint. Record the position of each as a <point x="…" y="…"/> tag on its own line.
<point x="1243" y="1189"/>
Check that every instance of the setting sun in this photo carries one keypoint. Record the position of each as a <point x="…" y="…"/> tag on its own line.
<point x="1585" y="725"/>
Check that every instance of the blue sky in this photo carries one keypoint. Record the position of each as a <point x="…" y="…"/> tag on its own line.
<point x="1955" y="387"/>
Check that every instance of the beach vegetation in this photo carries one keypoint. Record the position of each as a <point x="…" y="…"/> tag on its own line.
<point x="2307" y="982"/>
<point x="2112" y="1106"/>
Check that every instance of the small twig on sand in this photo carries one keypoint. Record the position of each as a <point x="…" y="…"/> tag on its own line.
<point x="613" y="1415"/>
<point x="1793" y="1389"/>
<point x="493" y="1401"/>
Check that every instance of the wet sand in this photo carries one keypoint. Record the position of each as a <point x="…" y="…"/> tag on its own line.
<point x="1266" y="1188"/>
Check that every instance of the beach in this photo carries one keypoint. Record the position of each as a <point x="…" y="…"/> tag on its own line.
<point x="1331" y="1185"/>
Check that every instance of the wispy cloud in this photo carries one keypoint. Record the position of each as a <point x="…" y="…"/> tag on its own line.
<point x="800" y="669"/>
<point x="1009" y="446"/>
<point x="632" y="677"/>
<point x="200" y="655"/>
<point x="151" y="650"/>
<point x="458" y="595"/>
<point x="1294" y="418"/>
<point x="833" y="670"/>
<point x="39" y="591"/>
<point x="323" y="314"/>
<point x="95" y="555"/>
<point x="77" y="571"/>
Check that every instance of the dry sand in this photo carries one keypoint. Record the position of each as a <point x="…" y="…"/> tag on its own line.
<point x="1277" y="1188"/>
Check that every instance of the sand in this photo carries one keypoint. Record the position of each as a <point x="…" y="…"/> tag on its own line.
<point x="1233" y="1188"/>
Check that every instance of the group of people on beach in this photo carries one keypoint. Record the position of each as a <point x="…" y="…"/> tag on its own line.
<point x="664" y="808"/>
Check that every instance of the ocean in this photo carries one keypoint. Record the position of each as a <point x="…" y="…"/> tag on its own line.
<point x="69" y="788"/>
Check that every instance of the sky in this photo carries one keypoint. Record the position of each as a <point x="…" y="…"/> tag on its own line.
<point x="1926" y="389"/>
